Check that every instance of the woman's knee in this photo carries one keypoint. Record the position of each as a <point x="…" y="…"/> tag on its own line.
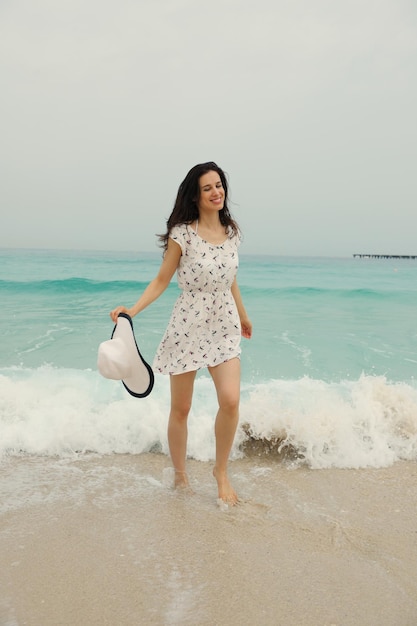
<point x="179" y="411"/>
<point x="229" y="402"/>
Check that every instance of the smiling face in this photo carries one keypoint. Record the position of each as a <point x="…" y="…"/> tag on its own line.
<point x="212" y="194"/>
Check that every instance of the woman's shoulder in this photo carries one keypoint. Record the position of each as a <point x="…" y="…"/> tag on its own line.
<point x="234" y="234"/>
<point x="179" y="230"/>
<point x="180" y="234"/>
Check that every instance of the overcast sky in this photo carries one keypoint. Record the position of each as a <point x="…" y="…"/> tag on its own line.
<point x="309" y="105"/>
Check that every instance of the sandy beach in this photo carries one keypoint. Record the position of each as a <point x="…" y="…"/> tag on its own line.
<point x="104" y="540"/>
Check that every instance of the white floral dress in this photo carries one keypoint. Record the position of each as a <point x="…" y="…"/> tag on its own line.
<point x="204" y="329"/>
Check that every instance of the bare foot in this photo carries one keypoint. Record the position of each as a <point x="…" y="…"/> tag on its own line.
<point x="226" y="492"/>
<point x="181" y="481"/>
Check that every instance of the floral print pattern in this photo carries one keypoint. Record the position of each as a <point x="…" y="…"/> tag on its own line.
<point x="204" y="329"/>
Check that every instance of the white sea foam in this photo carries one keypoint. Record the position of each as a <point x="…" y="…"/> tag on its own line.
<point x="49" y="411"/>
<point x="350" y="424"/>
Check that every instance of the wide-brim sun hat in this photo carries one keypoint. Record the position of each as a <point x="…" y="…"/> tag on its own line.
<point x="119" y="358"/>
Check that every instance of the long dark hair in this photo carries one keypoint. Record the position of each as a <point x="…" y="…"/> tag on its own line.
<point x="185" y="209"/>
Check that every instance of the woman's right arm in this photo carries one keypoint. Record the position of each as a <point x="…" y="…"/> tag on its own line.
<point x="158" y="285"/>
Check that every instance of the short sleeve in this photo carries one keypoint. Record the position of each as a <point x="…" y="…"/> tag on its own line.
<point x="235" y="236"/>
<point x="178" y="234"/>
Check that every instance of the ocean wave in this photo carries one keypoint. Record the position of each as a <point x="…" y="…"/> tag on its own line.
<point x="86" y="285"/>
<point x="369" y="422"/>
<point x="70" y="285"/>
<point x="52" y="411"/>
<point x="345" y="293"/>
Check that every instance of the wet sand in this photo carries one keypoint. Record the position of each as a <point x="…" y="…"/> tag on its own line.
<point x="104" y="540"/>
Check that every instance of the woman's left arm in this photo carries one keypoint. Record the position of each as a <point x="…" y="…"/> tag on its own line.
<point x="245" y="323"/>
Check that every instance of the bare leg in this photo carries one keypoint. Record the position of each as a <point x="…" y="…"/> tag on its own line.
<point x="181" y="396"/>
<point x="226" y="377"/>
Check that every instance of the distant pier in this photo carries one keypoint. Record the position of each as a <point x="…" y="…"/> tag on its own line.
<point x="385" y="256"/>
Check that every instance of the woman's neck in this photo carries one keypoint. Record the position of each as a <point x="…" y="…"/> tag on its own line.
<point x="212" y="230"/>
<point x="210" y="221"/>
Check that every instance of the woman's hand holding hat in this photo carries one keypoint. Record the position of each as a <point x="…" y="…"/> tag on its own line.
<point x="115" y="313"/>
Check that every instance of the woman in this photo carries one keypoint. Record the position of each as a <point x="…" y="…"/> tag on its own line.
<point x="208" y="318"/>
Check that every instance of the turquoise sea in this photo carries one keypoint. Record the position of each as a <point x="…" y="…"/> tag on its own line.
<point x="329" y="376"/>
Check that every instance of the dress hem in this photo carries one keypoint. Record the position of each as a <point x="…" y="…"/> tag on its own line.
<point x="195" y="369"/>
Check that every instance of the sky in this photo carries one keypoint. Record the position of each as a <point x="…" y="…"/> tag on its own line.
<point x="308" y="105"/>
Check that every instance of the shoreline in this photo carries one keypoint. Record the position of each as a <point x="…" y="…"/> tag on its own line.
<point x="104" y="540"/>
